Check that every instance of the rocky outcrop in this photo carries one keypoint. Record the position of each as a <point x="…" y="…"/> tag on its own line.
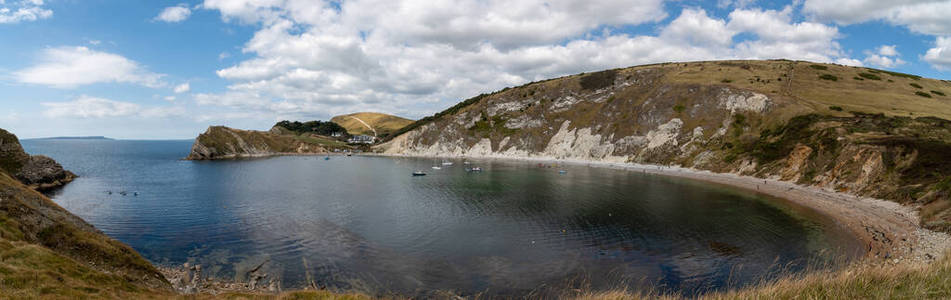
<point x="664" y="115"/>
<point x="36" y="171"/>
<point x="51" y="250"/>
<point x="219" y="142"/>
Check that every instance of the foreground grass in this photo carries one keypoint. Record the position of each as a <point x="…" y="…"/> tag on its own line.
<point x="857" y="282"/>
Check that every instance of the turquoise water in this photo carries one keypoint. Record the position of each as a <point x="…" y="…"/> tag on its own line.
<point x="364" y="223"/>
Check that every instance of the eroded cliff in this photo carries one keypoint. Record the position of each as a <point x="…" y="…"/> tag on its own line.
<point x="219" y="142"/>
<point x="771" y="119"/>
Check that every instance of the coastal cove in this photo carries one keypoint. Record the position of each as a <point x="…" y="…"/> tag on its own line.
<point x="515" y="225"/>
<point x="888" y="231"/>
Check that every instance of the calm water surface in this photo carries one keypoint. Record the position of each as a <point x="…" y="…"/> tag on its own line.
<point x="364" y="223"/>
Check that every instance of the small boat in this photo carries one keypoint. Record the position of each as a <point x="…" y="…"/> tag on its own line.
<point x="562" y="172"/>
<point x="349" y="154"/>
<point x="465" y="162"/>
<point x="475" y="169"/>
<point x="327" y="158"/>
<point x="436" y="168"/>
<point x="418" y="173"/>
<point x="447" y="163"/>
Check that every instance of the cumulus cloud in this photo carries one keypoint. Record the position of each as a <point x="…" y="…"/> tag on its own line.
<point x="93" y="107"/>
<point x="940" y="55"/>
<point x="68" y="67"/>
<point x="885" y="56"/>
<point x="174" y="14"/>
<point x="922" y="16"/>
<point x="405" y="56"/>
<point x="23" y="11"/>
<point x="182" y="88"/>
<point x="888" y="50"/>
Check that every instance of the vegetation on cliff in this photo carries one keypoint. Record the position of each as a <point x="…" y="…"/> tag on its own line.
<point x="315" y="127"/>
<point x="219" y="142"/>
<point x="771" y="119"/>
<point x="45" y="251"/>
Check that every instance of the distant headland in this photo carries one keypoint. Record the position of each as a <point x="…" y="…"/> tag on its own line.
<point x="74" y="138"/>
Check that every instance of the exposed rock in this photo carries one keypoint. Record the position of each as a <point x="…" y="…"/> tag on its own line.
<point x="36" y="171"/>
<point x="660" y="114"/>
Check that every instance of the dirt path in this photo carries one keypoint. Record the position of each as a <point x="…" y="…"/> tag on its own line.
<point x="365" y="124"/>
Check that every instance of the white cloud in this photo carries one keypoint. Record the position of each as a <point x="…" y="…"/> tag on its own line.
<point x="405" y="56"/>
<point x="922" y="16"/>
<point x="883" y="61"/>
<point x="23" y="11"/>
<point x="695" y="27"/>
<point x="940" y="55"/>
<point x="174" y="14"/>
<point x="93" y="107"/>
<point x="849" y="62"/>
<point x="182" y="88"/>
<point x="888" y="50"/>
<point x="885" y="56"/>
<point x="169" y="98"/>
<point x="68" y="67"/>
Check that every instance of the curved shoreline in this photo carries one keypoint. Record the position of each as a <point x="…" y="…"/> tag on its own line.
<point x="888" y="229"/>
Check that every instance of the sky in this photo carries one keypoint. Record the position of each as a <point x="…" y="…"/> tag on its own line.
<point x="137" y="69"/>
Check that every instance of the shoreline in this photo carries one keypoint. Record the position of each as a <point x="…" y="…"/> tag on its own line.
<point x="889" y="230"/>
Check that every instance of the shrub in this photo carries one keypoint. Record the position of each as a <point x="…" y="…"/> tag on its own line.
<point x="870" y="76"/>
<point x="819" y="67"/>
<point x="939" y="93"/>
<point x="726" y="81"/>
<point x="923" y="94"/>
<point x="835" y="108"/>
<point x="318" y="127"/>
<point x="828" y="77"/>
<point x="598" y="80"/>
<point x="679" y="108"/>
<point x="858" y="78"/>
<point x="915" y="85"/>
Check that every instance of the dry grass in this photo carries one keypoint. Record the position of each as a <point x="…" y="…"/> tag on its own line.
<point x="383" y="123"/>
<point x="855" y="282"/>
<point x="801" y="82"/>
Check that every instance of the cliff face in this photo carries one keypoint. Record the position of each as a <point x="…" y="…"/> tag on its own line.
<point x="47" y="250"/>
<point x="770" y="119"/>
<point x="219" y="142"/>
<point x="36" y="171"/>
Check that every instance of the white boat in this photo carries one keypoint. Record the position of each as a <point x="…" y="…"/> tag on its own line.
<point x="436" y="168"/>
<point x="447" y="163"/>
<point x="418" y="173"/>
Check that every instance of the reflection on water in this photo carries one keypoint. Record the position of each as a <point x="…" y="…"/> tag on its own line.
<point x="364" y="223"/>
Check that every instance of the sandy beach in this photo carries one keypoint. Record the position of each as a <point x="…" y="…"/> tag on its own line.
<point x="889" y="230"/>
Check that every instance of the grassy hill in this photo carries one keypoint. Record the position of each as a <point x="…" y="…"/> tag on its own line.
<point x="376" y="124"/>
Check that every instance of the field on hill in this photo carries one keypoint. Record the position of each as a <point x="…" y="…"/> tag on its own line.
<point x="368" y="123"/>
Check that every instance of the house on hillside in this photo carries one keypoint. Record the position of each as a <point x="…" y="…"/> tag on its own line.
<point x="336" y="134"/>
<point x="362" y="139"/>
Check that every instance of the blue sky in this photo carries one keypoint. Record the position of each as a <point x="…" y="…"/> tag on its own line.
<point x="169" y="69"/>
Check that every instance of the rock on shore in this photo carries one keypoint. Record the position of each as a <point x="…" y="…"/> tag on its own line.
<point x="36" y="171"/>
